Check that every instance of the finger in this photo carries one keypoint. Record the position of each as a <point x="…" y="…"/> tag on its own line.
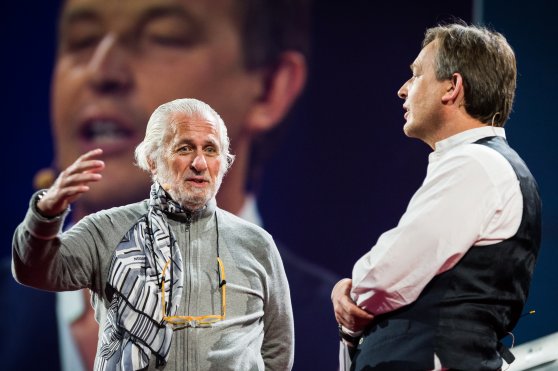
<point x="71" y="199"/>
<point x="85" y="166"/>
<point x="86" y="157"/>
<point x="358" y="312"/>
<point x="56" y="201"/>
<point x="77" y="179"/>
<point x="341" y="289"/>
<point x="339" y="297"/>
<point x="91" y="154"/>
<point x="343" y="316"/>
<point x="58" y="190"/>
<point x="69" y="194"/>
<point x="354" y="318"/>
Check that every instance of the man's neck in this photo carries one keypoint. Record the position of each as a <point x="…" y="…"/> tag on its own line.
<point x="461" y="123"/>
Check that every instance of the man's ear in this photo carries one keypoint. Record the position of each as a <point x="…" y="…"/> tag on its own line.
<point x="152" y="166"/>
<point x="454" y="93"/>
<point x="283" y="84"/>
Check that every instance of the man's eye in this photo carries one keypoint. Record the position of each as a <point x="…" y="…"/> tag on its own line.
<point x="80" y="43"/>
<point x="184" y="149"/>
<point x="173" y="41"/>
<point x="211" y="150"/>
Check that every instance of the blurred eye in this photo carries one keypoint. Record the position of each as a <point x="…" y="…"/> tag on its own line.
<point x="175" y="41"/>
<point x="80" y="33"/>
<point x="169" y="32"/>
<point x="75" y="44"/>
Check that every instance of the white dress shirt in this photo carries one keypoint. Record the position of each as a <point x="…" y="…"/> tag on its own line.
<point x="470" y="197"/>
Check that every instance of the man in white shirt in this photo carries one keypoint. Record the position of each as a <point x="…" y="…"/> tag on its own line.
<point x="442" y="288"/>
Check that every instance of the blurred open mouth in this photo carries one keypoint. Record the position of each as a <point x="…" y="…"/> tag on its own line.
<point x="107" y="134"/>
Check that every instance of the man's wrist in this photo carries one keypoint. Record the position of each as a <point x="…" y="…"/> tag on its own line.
<point x="350" y="339"/>
<point x="38" y="198"/>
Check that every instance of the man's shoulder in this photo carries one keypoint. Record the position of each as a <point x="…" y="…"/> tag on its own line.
<point x="486" y="159"/>
<point x="130" y="211"/>
<point x="475" y="157"/>
<point x="247" y="238"/>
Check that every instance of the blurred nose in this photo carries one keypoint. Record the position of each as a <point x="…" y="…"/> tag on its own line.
<point x="402" y="92"/>
<point x="199" y="164"/>
<point x="109" y="71"/>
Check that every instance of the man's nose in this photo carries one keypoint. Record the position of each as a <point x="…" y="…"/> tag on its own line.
<point x="199" y="163"/>
<point x="109" y="69"/>
<point x="402" y="92"/>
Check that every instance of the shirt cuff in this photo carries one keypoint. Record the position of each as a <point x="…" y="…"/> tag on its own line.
<point x="348" y="336"/>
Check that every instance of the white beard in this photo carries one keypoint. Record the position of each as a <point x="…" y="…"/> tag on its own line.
<point x="188" y="197"/>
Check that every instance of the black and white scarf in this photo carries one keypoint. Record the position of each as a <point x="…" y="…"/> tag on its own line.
<point x="134" y="326"/>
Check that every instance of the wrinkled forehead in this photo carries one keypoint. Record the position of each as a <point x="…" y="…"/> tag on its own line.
<point x="196" y="122"/>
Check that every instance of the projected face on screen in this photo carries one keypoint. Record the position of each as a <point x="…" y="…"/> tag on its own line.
<point x="118" y="60"/>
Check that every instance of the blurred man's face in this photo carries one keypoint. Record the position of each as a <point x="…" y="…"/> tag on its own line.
<point x="119" y="60"/>
<point x="190" y="163"/>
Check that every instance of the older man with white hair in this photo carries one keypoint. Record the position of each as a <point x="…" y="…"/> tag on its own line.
<point x="160" y="270"/>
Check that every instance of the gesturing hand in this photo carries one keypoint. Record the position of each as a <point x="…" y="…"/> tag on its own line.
<point x="71" y="183"/>
<point x="347" y="313"/>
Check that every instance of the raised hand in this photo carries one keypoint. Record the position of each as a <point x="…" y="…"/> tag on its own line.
<point x="72" y="183"/>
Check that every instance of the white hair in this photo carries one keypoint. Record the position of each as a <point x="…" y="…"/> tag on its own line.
<point x="150" y="149"/>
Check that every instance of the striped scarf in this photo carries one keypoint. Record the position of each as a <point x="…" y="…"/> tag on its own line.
<point x="134" y="327"/>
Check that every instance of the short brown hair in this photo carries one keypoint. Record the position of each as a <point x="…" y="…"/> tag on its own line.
<point x="486" y="63"/>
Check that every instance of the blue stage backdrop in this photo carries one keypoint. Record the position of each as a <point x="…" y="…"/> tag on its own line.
<point x="530" y="27"/>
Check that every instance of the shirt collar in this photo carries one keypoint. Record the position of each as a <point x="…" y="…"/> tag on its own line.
<point x="466" y="137"/>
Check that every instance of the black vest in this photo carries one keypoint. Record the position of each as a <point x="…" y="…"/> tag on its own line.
<point x="463" y="313"/>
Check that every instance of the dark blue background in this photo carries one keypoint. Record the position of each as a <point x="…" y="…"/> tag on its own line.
<point x="344" y="172"/>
